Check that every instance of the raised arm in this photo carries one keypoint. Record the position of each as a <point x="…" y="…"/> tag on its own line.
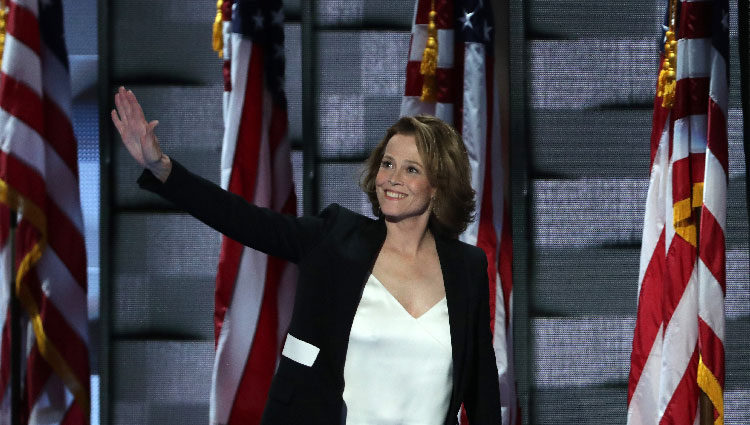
<point x="275" y="234"/>
<point x="138" y="134"/>
<point x="268" y="231"/>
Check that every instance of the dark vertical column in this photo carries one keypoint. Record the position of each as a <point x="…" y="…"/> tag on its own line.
<point x="105" y="96"/>
<point x="743" y="21"/>
<point x="514" y="22"/>
<point x="310" y="187"/>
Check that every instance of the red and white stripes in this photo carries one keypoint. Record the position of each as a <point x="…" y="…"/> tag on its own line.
<point x="253" y="291"/>
<point x="678" y="339"/>
<point x="39" y="179"/>
<point x="467" y="97"/>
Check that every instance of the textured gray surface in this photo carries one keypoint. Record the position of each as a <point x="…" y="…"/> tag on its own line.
<point x="163" y="276"/>
<point x="161" y="382"/>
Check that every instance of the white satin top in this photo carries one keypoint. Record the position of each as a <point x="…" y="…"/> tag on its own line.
<point x="398" y="369"/>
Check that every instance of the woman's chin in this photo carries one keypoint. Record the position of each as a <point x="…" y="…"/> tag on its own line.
<point x="400" y="216"/>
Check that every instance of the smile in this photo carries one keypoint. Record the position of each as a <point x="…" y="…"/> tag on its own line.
<point x="396" y="195"/>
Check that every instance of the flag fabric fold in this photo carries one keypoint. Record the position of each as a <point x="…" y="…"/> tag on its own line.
<point x="464" y="89"/>
<point x="39" y="180"/>
<point x="253" y="291"/>
<point x="678" y="348"/>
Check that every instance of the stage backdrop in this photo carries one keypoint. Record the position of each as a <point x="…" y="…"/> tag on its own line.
<point x="582" y="79"/>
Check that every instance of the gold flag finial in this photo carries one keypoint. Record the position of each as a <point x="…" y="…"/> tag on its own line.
<point x="668" y="73"/>
<point x="218" y="36"/>
<point x="428" y="68"/>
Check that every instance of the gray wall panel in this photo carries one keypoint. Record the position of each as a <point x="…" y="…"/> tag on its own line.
<point x="155" y="412"/>
<point x="735" y="404"/>
<point x="591" y="72"/>
<point x="737" y="302"/>
<point x="163" y="41"/>
<point x="391" y="13"/>
<point x="572" y="18"/>
<point x="339" y="184"/>
<point x="351" y="126"/>
<point x="161" y="382"/>
<point x="737" y="354"/>
<point x="588" y="212"/>
<point x="580" y="405"/>
<point x="583" y="351"/>
<point x="598" y="281"/>
<point x="163" y="275"/>
<point x="361" y="75"/>
<point x="293" y="82"/>
<point x="598" y="148"/>
<point x="737" y="220"/>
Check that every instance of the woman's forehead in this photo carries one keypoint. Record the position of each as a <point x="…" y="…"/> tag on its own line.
<point x="403" y="146"/>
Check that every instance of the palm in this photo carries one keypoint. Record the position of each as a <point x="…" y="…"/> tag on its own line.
<point x="137" y="134"/>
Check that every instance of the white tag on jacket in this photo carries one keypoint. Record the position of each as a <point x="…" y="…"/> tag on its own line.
<point x="300" y="351"/>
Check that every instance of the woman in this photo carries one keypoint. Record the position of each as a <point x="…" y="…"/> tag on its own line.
<point x="391" y="316"/>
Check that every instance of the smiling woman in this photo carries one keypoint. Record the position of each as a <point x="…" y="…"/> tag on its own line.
<point x="390" y="318"/>
<point x="401" y="185"/>
<point x="441" y="157"/>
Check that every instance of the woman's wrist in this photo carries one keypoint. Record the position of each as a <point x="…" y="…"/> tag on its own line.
<point x="161" y="168"/>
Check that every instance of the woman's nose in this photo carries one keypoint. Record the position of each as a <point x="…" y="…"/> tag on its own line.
<point x="395" y="177"/>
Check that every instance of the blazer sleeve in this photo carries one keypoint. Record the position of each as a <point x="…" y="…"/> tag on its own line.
<point x="270" y="232"/>
<point x="482" y="399"/>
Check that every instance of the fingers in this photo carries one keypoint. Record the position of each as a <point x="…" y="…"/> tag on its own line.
<point x="116" y="121"/>
<point x="119" y="106"/>
<point x="125" y="107"/>
<point x="135" y="107"/>
<point x="120" y="116"/>
<point x="129" y="114"/>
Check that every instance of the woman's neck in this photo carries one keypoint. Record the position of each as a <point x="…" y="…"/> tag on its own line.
<point x="408" y="237"/>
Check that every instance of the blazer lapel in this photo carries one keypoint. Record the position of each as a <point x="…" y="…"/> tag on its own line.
<point x="357" y="256"/>
<point x="456" y="297"/>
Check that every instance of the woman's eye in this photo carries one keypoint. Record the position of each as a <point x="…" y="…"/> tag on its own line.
<point x="385" y="164"/>
<point x="413" y="170"/>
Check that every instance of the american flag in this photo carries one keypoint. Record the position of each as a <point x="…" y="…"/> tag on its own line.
<point x="467" y="97"/>
<point x="39" y="180"/>
<point x="678" y="347"/>
<point x="253" y="291"/>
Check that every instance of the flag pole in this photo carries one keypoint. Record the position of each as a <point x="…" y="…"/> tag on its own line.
<point x="743" y="24"/>
<point x="706" y="410"/>
<point x="15" y="328"/>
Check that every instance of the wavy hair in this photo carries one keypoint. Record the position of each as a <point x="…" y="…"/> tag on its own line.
<point x="447" y="167"/>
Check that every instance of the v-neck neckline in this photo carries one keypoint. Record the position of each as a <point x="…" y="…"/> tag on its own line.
<point x="395" y="300"/>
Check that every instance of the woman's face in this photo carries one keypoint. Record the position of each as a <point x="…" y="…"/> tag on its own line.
<point x="401" y="184"/>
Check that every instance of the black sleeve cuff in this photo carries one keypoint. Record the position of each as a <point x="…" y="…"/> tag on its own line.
<point x="149" y="182"/>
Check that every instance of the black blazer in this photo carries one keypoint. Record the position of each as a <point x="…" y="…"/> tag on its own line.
<point x="335" y="252"/>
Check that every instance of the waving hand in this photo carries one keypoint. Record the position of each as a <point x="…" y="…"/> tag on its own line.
<point x="138" y="135"/>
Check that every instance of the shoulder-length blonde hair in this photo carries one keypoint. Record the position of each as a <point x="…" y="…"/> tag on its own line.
<point x="447" y="165"/>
